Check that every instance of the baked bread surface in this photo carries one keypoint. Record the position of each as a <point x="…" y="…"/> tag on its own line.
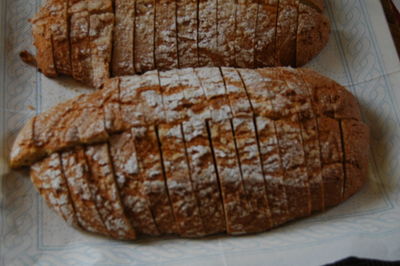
<point x="93" y="39"/>
<point x="197" y="151"/>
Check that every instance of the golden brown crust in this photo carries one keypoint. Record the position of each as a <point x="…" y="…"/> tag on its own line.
<point x="130" y="183"/>
<point x="166" y="48"/>
<point x="144" y="35"/>
<point x="331" y="158"/>
<point x="285" y="51"/>
<point x="207" y="32"/>
<point x="76" y="172"/>
<point x="226" y="34"/>
<point x="123" y="49"/>
<point x="149" y="34"/>
<point x="246" y="21"/>
<point x="100" y="33"/>
<point x="178" y="180"/>
<point x="152" y="174"/>
<point x="187" y="33"/>
<point x="312" y="34"/>
<point x="48" y="178"/>
<point x="355" y="136"/>
<point x="280" y="143"/>
<point x="238" y="211"/>
<point x="204" y="176"/>
<point x="273" y="170"/>
<point x="60" y="36"/>
<point x="266" y="33"/>
<point x="80" y="41"/>
<point x="43" y="42"/>
<point x="309" y="135"/>
<point x="105" y="193"/>
<point x="252" y="174"/>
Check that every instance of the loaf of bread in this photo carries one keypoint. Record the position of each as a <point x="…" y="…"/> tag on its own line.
<point x="197" y="151"/>
<point x="89" y="39"/>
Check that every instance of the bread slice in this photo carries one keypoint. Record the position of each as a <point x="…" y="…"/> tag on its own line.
<point x="312" y="33"/>
<point x="166" y="47"/>
<point x="253" y="179"/>
<point x="123" y="38"/>
<point x="203" y="176"/>
<point x="266" y="33"/>
<point x="187" y="33"/>
<point x="238" y="99"/>
<point x="144" y="35"/>
<point x="24" y="146"/>
<point x="47" y="127"/>
<point x="213" y="86"/>
<point x="180" y="188"/>
<point x="76" y="171"/>
<point x="113" y="120"/>
<point x="281" y="99"/>
<point x="238" y="211"/>
<point x="49" y="180"/>
<point x="294" y="164"/>
<point x="77" y="121"/>
<point x="43" y="42"/>
<point x="60" y="36"/>
<point x="246" y="21"/>
<point x="141" y="100"/>
<point x="286" y="34"/>
<point x="101" y="34"/>
<point x="332" y="160"/>
<point x="154" y="183"/>
<point x="330" y="98"/>
<point x="355" y="135"/>
<point x="272" y="169"/>
<point x="309" y="134"/>
<point x="80" y="41"/>
<point x="226" y="33"/>
<point x="332" y="103"/>
<point x="195" y="99"/>
<point x="207" y="32"/>
<point x="258" y="90"/>
<point x="173" y="97"/>
<point x="130" y="183"/>
<point x="103" y="187"/>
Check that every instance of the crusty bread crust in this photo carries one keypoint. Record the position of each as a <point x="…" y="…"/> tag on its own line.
<point x="80" y="41"/>
<point x="266" y="33"/>
<point x="149" y="34"/>
<point x="246" y="22"/>
<point x="180" y="188"/>
<point x="126" y="168"/>
<point x="252" y="174"/>
<point x="312" y="33"/>
<point x="166" y="47"/>
<point x="238" y="211"/>
<point x="60" y="37"/>
<point x="48" y="178"/>
<point x="207" y="32"/>
<point x="124" y="31"/>
<point x="239" y="150"/>
<point x="286" y="33"/>
<point x="105" y="193"/>
<point x="226" y="33"/>
<point x="153" y="176"/>
<point x="144" y="35"/>
<point x="76" y="172"/>
<point x="187" y="33"/>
